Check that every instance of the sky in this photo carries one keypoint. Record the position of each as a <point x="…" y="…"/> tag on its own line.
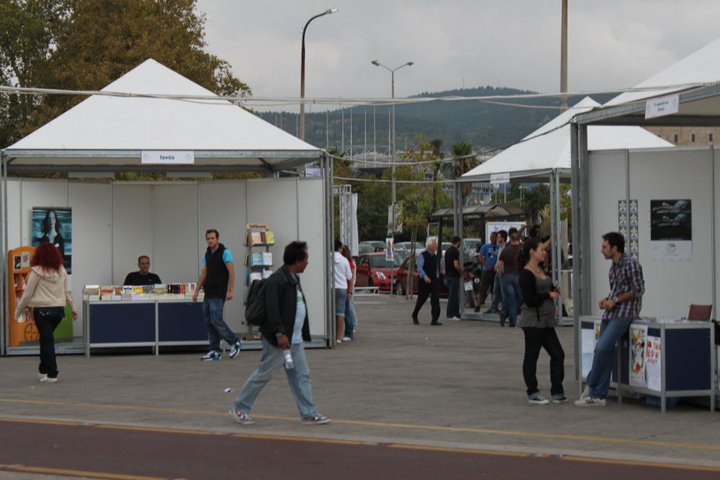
<point x="454" y="44"/>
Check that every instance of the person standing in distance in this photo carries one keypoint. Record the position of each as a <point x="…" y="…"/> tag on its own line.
<point x="428" y="268"/>
<point x="453" y="274"/>
<point x="621" y="307"/>
<point x="285" y="328"/>
<point x="218" y="280"/>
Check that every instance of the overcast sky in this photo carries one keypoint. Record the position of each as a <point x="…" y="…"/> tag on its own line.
<point x="454" y="43"/>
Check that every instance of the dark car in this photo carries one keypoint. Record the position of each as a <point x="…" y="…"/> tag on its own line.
<point x="401" y="283"/>
<point x="373" y="269"/>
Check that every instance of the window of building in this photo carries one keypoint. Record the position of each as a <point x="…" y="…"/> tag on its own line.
<point x="692" y="138"/>
<point x="710" y="138"/>
<point x="676" y="139"/>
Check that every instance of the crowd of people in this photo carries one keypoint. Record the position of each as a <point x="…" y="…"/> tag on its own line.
<point x="517" y="272"/>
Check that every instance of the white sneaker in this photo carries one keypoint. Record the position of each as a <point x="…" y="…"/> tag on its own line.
<point x="47" y="379"/>
<point x="346" y="339"/>
<point x="590" y="402"/>
<point x="586" y="392"/>
<point x="454" y="319"/>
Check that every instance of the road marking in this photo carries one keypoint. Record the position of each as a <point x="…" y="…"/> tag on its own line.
<point x="76" y="473"/>
<point x="643" y="464"/>
<point x="553" y="436"/>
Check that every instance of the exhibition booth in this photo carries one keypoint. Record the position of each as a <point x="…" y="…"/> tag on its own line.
<point x="152" y="119"/>
<point x="664" y="201"/>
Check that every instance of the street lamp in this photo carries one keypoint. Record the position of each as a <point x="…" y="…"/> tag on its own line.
<point x="392" y="136"/>
<point x="302" y="70"/>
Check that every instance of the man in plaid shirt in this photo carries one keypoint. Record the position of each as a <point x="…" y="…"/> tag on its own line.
<point x="621" y="307"/>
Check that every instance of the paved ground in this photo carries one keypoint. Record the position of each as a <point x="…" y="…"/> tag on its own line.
<point x="457" y="387"/>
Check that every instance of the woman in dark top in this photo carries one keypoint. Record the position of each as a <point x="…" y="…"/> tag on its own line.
<point x="538" y="321"/>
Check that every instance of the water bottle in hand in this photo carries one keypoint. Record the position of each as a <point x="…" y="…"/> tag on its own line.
<point x="289" y="363"/>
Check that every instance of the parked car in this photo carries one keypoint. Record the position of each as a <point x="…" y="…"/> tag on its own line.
<point x="375" y="244"/>
<point x="373" y="269"/>
<point x="401" y="283"/>
<point x="419" y="246"/>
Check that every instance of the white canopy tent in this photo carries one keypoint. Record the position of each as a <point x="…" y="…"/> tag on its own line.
<point x="154" y="109"/>
<point x="544" y="155"/>
<point x="695" y="80"/>
<point x="157" y="109"/>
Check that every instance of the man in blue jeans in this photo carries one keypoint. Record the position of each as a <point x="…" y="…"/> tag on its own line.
<point x="283" y="333"/>
<point x="218" y="281"/>
<point x="621" y="307"/>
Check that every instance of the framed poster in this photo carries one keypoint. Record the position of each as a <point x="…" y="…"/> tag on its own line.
<point x="671" y="230"/>
<point x="54" y="225"/>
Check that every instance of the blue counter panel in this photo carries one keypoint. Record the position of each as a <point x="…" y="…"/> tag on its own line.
<point x="122" y="323"/>
<point x="181" y="322"/>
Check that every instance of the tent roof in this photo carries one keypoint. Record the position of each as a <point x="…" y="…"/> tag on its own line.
<point x="695" y="78"/>
<point x="112" y="131"/>
<point x="498" y="210"/>
<point x="547" y="149"/>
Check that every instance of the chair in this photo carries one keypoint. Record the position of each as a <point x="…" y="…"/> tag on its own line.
<point x="700" y="312"/>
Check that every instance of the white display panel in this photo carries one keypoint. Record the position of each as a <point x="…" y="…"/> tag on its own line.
<point x="670" y="287"/>
<point x="114" y="223"/>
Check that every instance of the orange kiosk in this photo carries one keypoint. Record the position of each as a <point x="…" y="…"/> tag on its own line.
<point x="23" y="330"/>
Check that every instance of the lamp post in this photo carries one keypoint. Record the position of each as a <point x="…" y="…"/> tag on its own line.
<point x="392" y="136"/>
<point x="302" y="70"/>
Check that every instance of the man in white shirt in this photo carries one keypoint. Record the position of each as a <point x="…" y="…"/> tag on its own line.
<point x="343" y="288"/>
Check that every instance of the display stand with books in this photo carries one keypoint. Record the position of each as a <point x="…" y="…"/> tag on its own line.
<point x="258" y="257"/>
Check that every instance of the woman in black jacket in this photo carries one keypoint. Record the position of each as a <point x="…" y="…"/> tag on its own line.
<point x="538" y="320"/>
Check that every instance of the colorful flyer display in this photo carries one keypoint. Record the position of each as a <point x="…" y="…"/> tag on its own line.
<point x="653" y="363"/>
<point x="638" y="343"/>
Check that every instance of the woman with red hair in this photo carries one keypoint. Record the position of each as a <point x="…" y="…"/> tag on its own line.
<point x="47" y="291"/>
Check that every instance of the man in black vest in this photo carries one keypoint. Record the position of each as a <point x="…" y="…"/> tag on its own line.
<point x="218" y="281"/>
<point x="428" y="267"/>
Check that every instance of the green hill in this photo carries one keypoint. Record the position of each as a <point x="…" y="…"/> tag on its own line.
<point x="484" y="125"/>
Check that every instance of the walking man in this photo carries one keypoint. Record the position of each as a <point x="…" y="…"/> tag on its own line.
<point x="621" y="307"/>
<point x="283" y="333"/>
<point x="428" y="268"/>
<point x="453" y="273"/>
<point x="218" y="281"/>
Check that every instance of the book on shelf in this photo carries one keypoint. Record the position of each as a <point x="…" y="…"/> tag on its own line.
<point x="267" y="258"/>
<point x="268" y="237"/>
<point x="256" y="259"/>
<point x="255" y="237"/>
<point x="255" y="276"/>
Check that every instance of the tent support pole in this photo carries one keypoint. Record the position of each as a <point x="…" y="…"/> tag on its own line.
<point x="580" y="232"/>
<point x="4" y="314"/>
<point x="327" y="162"/>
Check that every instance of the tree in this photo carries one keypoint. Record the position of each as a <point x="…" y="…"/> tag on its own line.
<point x="464" y="162"/>
<point x="86" y="44"/>
<point x="417" y="199"/>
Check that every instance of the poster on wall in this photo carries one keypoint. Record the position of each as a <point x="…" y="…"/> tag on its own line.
<point x="638" y="342"/>
<point x="54" y="225"/>
<point x="653" y="363"/>
<point x="628" y="226"/>
<point x="671" y="230"/>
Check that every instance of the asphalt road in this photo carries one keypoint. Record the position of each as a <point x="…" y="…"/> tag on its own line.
<point x="138" y="453"/>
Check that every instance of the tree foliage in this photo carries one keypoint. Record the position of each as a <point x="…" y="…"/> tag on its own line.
<point x="86" y="44"/>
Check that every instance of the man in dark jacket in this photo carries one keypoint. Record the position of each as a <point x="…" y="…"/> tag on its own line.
<point x="283" y="334"/>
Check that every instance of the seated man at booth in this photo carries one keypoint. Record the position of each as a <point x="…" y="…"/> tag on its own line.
<point x="143" y="276"/>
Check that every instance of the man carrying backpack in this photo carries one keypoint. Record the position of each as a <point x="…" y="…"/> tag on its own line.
<point x="285" y="328"/>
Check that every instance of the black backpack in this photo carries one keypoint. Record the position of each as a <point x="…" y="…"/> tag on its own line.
<point x="255" y="313"/>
